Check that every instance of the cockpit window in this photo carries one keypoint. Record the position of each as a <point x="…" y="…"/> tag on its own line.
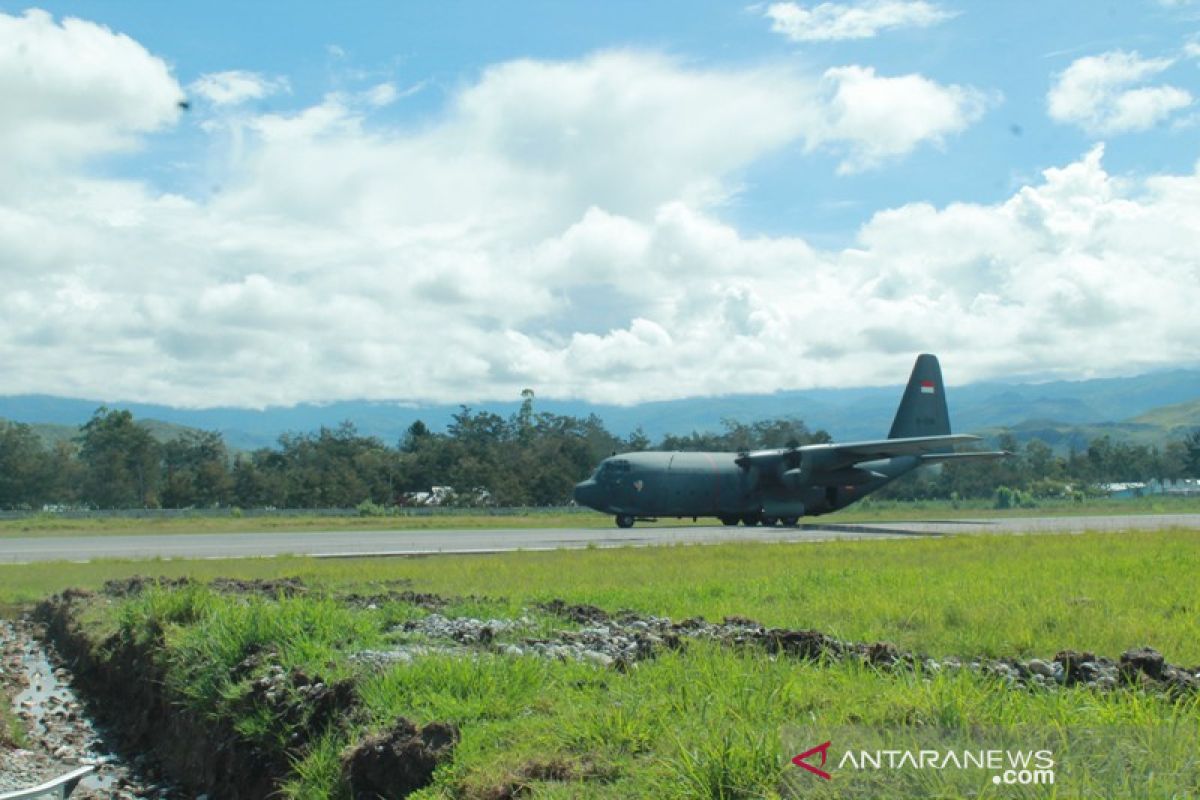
<point x="613" y="469"/>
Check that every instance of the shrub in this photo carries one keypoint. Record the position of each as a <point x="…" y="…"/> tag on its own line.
<point x="367" y="508"/>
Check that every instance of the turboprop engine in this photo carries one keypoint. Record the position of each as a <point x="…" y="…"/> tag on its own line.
<point x="800" y="465"/>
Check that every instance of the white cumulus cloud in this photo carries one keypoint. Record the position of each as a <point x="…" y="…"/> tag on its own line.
<point x="559" y="226"/>
<point x="1105" y="94"/>
<point x="233" y="87"/>
<point x="839" y="21"/>
<point x="875" y="118"/>
<point x="75" y="89"/>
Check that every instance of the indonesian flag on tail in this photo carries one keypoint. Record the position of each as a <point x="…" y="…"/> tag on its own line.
<point x="926" y="387"/>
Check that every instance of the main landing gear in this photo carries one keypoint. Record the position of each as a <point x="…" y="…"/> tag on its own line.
<point x="730" y="520"/>
<point x="766" y="520"/>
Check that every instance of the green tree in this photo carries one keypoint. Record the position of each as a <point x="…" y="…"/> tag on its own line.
<point x="1174" y="463"/>
<point x="1192" y="444"/>
<point x="26" y="469"/>
<point x="120" y="460"/>
<point x="1040" y="461"/>
<point x="336" y="468"/>
<point x="637" y="441"/>
<point x="260" y="480"/>
<point x="196" y="471"/>
<point x="416" y="433"/>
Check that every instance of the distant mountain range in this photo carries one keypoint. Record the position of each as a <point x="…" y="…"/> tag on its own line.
<point x="1146" y="408"/>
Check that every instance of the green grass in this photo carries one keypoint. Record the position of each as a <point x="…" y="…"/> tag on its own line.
<point x="1003" y="596"/>
<point x="870" y="510"/>
<point x="705" y="722"/>
<point x="708" y="721"/>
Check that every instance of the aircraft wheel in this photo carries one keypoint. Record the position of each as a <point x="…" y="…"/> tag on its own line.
<point x="750" y="520"/>
<point x="790" y="522"/>
<point x="728" y="520"/>
<point x="769" y="522"/>
<point x="624" y="520"/>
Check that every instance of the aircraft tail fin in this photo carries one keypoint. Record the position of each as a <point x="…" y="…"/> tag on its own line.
<point x="923" y="409"/>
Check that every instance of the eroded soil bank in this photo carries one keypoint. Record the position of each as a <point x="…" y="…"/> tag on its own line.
<point x="205" y="757"/>
<point x="128" y="692"/>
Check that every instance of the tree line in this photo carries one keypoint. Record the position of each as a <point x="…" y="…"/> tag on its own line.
<point x="1035" y="472"/>
<point x="527" y="459"/>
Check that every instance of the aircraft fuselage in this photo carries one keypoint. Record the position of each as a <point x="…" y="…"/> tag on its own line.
<point x="687" y="484"/>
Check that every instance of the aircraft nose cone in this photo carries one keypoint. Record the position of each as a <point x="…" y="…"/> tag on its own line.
<point x="587" y="493"/>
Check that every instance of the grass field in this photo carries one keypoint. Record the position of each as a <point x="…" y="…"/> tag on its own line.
<point x="708" y="721"/>
<point x="50" y="524"/>
<point x="1003" y="596"/>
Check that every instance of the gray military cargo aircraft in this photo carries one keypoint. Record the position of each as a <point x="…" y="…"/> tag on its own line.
<point x="769" y="486"/>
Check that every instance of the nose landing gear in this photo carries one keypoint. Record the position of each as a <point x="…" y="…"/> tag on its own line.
<point x="625" y="520"/>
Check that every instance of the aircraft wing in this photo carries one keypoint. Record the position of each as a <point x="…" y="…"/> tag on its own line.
<point x="819" y="458"/>
<point x="890" y="448"/>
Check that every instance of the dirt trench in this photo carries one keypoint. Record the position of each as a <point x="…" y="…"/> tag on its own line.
<point x="52" y="734"/>
<point x="126" y="690"/>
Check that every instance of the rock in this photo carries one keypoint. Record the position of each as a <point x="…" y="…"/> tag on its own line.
<point x="1072" y="662"/>
<point x="804" y="644"/>
<point x="1000" y="670"/>
<point x="397" y="762"/>
<point x="596" y="657"/>
<point x="1037" y="666"/>
<point x="883" y="654"/>
<point x="581" y="613"/>
<point x="1144" y="660"/>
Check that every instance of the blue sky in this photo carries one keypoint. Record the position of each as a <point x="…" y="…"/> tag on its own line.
<point x="618" y="201"/>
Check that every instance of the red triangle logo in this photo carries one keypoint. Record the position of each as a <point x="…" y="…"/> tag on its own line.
<point x="823" y="749"/>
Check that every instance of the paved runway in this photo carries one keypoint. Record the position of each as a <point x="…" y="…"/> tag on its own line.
<point x="414" y="543"/>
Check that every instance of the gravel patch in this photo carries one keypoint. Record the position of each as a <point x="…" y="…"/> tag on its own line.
<point x="621" y="641"/>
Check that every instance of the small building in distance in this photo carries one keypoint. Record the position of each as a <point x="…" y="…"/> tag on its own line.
<point x="1184" y="487"/>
